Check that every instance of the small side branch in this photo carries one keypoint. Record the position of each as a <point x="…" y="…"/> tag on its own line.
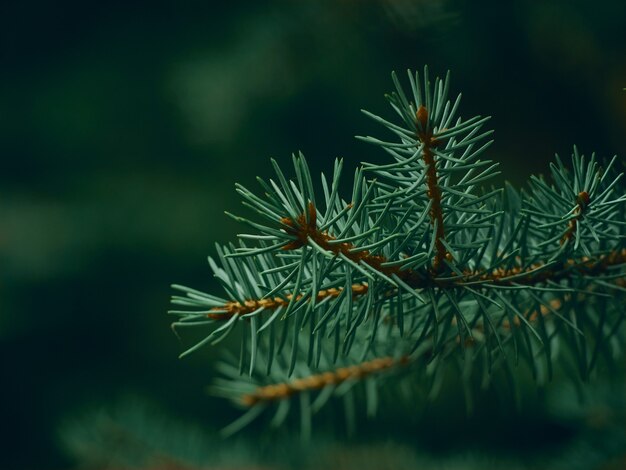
<point x="582" y="201"/>
<point x="426" y="138"/>
<point x="232" y="308"/>
<point x="285" y="390"/>
<point x="570" y="267"/>
<point x="305" y="228"/>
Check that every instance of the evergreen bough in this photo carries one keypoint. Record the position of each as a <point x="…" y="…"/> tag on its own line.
<point x="418" y="270"/>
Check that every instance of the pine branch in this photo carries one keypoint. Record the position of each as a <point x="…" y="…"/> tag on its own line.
<point x="286" y="390"/>
<point x="421" y="262"/>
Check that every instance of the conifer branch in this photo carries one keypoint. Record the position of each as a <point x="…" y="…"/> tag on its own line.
<point x="422" y="262"/>
<point x="287" y="390"/>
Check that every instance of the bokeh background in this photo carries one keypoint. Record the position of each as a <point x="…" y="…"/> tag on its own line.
<point x="124" y="126"/>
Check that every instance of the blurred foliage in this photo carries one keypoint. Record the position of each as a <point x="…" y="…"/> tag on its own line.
<point x="125" y="126"/>
<point x="135" y="435"/>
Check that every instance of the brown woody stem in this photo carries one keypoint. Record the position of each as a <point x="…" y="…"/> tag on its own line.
<point x="425" y="136"/>
<point x="237" y="308"/>
<point x="284" y="390"/>
<point x="304" y="230"/>
<point x="582" y="201"/>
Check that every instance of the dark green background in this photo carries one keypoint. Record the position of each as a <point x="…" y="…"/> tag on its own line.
<point x="123" y="128"/>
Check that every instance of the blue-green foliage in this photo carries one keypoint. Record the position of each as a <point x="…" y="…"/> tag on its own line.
<point x="423" y="263"/>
